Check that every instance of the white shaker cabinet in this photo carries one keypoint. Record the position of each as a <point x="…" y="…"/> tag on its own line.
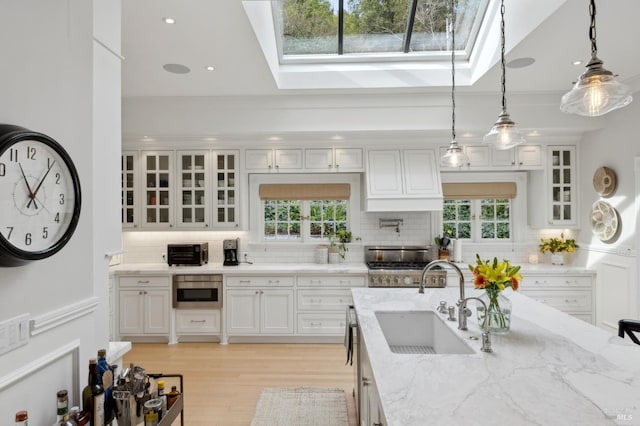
<point x="193" y="189"/>
<point x="144" y="306"/>
<point x="333" y="159"/>
<point x="157" y="199"/>
<point x="273" y="159"/>
<point x="129" y="192"/>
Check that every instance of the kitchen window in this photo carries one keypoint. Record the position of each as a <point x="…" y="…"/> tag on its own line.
<point x="478" y="212"/>
<point x="297" y="208"/>
<point x="477" y="220"/>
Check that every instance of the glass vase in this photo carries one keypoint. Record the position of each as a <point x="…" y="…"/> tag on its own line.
<point x="498" y="317"/>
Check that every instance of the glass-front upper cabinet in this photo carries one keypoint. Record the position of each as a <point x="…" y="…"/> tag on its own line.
<point x="128" y="185"/>
<point x="562" y="184"/>
<point x="193" y="189"/>
<point x="225" y="182"/>
<point x="158" y="192"/>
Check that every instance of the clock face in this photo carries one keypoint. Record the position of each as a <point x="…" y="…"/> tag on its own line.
<point x="39" y="198"/>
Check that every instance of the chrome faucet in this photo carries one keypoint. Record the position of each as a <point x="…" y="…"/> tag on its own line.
<point x="439" y="262"/>
<point x="462" y="321"/>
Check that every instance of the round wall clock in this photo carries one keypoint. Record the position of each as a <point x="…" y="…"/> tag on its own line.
<point x="39" y="196"/>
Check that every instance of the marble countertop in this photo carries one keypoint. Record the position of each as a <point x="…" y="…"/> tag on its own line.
<point x="242" y="269"/>
<point x="550" y="369"/>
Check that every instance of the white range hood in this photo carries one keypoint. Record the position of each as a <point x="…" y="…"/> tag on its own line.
<point x="401" y="180"/>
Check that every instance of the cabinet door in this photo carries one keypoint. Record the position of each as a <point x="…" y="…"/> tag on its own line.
<point x="348" y="159"/>
<point x="530" y="156"/>
<point x="193" y="186"/>
<point x="258" y="159"/>
<point x="562" y="186"/>
<point x="129" y="184"/>
<point x="503" y="158"/>
<point x="131" y="312"/>
<point x="276" y="308"/>
<point x="384" y="173"/>
<point x="478" y="155"/>
<point x="419" y="177"/>
<point x="288" y="159"/>
<point x="156" y="311"/>
<point x="243" y="311"/>
<point x="225" y="177"/>
<point x="320" y="159"/>
<point x="158" y="192"/>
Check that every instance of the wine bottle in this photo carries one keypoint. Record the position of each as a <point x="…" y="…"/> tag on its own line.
<point x="93" y="396"/>
<point x="105" y="378"/>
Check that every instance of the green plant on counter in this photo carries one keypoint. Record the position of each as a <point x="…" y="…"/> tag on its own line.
<point x="557" y="245"/>
<point x="340" y="239"/>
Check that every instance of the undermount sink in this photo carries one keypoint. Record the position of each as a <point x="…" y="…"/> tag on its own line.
<point x="419" y="332"/>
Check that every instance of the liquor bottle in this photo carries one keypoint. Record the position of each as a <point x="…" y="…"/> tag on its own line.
<point x="162" y="397"/>
<point x="105" y="378"/>
<point x="80" y="417"/>
<point x="93" y="396"/>
<point x="172" y="396"/>
<point x="22" y="418"/>
<point x="63" y="404"/>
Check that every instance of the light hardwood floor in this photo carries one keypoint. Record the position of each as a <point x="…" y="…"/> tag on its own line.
<point x="222" y="383"/>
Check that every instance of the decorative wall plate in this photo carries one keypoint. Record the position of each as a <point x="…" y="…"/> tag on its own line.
<point x="604" y="181"/>
<point x="605" y="221"/>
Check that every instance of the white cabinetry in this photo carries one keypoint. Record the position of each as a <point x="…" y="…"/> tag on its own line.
<point x="193" y="188"/>
<point x="371" y="413"/>
<point x="322" y="301"/>
<point x="225" y="183"/>
<point x="259" y="305"/>
<point x="570" y="293"/>
<point x="483" y="157"/>
<point x="129" y="191"/>
<point x="144" y="306"/>
<point x="553" y="193"/>
<point x="273" y="159"/>
<point x="333" y="159"/>
<point x="402" y="180"/>
<point x="197" y="321"/>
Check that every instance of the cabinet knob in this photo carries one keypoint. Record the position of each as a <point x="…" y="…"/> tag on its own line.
<point x="269" y="166"/>
<point x="513" y="163"/>
<point x="141" y="292"/>
<point x="365" y="381"/>
<point x="337" y="165"/>
<point x="257" y="291"/>
<point x="277" y="166"/>
<point x="521" y="163"/>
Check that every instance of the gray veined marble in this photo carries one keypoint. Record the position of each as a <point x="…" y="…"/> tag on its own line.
<point x="551" y="369"/>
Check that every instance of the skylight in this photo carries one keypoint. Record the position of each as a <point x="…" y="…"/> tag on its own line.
<point x="316" y="31"/>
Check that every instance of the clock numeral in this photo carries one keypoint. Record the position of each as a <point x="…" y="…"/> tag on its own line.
<point x="27" y="239"/>
<point x="57" y="178"/>
<point x="61" y="199"/>
<point x="31" y="153"/>
<point x="45" y="233"/>
<point x="57" y="218"/>
<point x="3" y="169"/>
<point x="10" y="228"/>
<point x="13" y="155"/>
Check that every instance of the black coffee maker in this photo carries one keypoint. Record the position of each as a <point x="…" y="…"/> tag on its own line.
<point x="230" y="252"/>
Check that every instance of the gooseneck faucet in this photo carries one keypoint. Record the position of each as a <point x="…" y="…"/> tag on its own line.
<point x="462" y="325"/>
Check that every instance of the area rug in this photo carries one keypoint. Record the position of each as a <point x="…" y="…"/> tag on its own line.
<point x="301" y="406"/>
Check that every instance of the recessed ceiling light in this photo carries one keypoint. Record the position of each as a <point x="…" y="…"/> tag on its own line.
<point x="577" y="62"/>
<point x="210" y="139"/>
<point x="176" y="68"/>
<point x="336" y="138"/>
<point x="209" y="68"/>
<point x="274" y="138"/>
<point x="168" y="20"/>
<point x="520" y="62"/>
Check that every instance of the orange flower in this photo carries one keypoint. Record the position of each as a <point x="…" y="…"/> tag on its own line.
<point x="514" y="283"/>
<point x="480" y="281"/>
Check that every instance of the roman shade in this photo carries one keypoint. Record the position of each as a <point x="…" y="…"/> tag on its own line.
<point x="478" y="190"/>
<point x="305" y="191"/>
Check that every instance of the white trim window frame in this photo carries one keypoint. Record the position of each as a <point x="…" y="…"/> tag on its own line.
<point x="473" y="219"/>
<point x="517" y="209"/>
<point x="257" y="206"/>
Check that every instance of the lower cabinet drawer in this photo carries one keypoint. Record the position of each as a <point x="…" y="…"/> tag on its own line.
<point x="322" y="323"/>
<point x="332" y="280"/>
<point x="323" y="300"/>
<point x="555" y="281"/>
<point x="567" y="301"/>
<point x="198" y="321"/>
<point x="259" y="281"/>
<point x="145" y="281"/>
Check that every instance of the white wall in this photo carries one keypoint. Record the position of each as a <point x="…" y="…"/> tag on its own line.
<point x="616" y="263"/>
<point x="46" y="85"/>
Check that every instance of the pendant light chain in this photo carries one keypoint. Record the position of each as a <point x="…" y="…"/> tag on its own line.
<point x="453" y="72"/>
<point x="502" y="67"/>
<point x="592" y="28"/>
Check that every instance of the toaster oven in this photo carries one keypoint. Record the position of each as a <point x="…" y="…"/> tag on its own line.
<point x="188" y="254"/>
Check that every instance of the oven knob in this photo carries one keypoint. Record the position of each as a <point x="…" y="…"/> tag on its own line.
<point x="407" y="280"/>
<point x="396" y="280"/>
<point x="387" y="281"/>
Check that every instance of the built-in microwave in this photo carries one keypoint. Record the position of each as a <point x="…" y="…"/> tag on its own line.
<point x="197" y="291"/>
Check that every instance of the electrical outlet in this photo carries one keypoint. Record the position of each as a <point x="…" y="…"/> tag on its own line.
<point x="164" y="256"/>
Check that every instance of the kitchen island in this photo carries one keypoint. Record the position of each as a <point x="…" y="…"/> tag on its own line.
<point x="549" y="369"/>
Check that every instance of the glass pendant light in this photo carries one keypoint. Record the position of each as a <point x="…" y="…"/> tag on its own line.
<point x="455" y="156"/>
<point x="596" y="92"/>
<point x="504" y="134"/>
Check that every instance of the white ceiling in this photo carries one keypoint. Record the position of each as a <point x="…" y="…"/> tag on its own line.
<point x="219" y="33"/>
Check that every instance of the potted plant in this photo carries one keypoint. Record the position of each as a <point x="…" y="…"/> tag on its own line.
<point x="338" y="242"/>
<point x="557" y="247"/>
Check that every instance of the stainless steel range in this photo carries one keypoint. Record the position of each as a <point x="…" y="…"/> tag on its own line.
<point x="401" y="266"/>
